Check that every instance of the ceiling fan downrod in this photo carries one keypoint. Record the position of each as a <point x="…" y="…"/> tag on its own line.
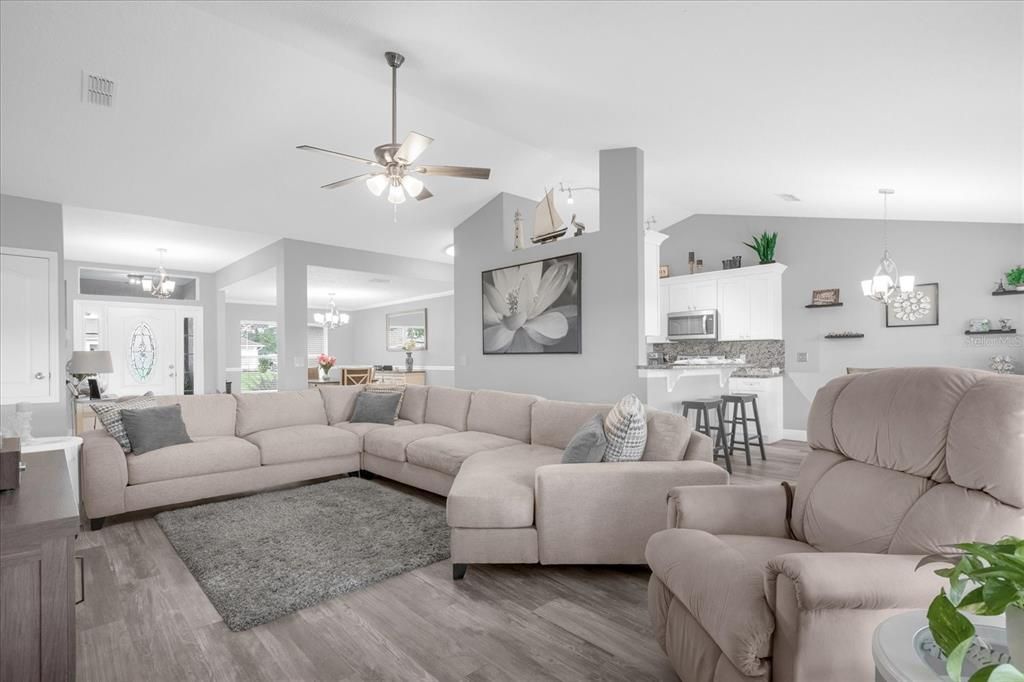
<point x="395" y="60"/>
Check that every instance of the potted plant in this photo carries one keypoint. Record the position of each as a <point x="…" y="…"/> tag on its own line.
<point x="988" y="580"/>
<point x="326" y="362"/>
<point x="764" y="246"/>
<point x="409" y="346"/>
<point x="1015" y="277"/>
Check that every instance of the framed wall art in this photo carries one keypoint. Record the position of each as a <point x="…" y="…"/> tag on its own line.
<point x="533" y="308"/>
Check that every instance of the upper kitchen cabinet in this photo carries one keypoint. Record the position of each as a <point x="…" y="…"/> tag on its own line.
<point x="29" y="327"/>
<point x="750" y="307"/>
<point x="748" y="300"/>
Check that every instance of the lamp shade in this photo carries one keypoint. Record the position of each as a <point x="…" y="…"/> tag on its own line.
<point x="91" y="362"/>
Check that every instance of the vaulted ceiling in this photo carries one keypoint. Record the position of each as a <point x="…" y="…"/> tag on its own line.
<point x="734" y="103"/>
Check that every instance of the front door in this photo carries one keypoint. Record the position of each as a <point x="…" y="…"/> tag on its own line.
<point x="144" y="346"/>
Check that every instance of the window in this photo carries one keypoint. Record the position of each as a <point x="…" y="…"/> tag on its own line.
<point x="316" y="343"/>
<point x="259" y="356"/>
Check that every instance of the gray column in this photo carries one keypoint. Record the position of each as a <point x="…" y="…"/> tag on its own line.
<point x="291" y="321"/>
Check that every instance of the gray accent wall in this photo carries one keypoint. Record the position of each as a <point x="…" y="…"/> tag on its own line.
<point x="362" y="340"/>
<point x="610" y="294"/>
<point x="966" y="259"/>
<point x="31" y="224"/>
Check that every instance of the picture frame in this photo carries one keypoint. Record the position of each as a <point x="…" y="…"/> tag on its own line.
<point x="404" y="325"/>
<point x="662" y="271"/>
<point x="512" y="325"/>
<point x="919" y="308"/>
<point x="824" y="296"/>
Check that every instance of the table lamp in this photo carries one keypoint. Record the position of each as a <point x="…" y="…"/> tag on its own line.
<point x="85" y="365"/>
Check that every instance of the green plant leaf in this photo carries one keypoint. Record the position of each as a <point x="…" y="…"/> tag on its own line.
<point x="1003" y="672"/>
<point x="948" y="626"/>
<point x="955" y="659"/>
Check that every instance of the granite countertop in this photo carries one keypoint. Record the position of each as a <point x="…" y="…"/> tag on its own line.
<point x="757" y="373"/>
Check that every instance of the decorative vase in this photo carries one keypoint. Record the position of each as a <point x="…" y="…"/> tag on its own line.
<point x="324" y="373"/>
<point x="1015" y="634"/>
<point x="408" y="361"/>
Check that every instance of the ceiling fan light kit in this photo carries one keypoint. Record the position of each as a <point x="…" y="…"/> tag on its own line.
<point x="392" y="165"/>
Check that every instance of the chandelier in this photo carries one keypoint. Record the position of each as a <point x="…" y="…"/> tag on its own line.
<point x="158" y="284"/>
<point x="332" y="318"/>
<point x="886" y="281"/>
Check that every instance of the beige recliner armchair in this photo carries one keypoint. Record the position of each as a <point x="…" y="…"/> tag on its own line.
<point x="902" y="462"/>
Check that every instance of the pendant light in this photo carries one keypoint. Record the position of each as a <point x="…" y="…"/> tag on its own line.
<point x="160" y="286"/>
<point x="332" y="318"/>
<point x="884" y="284"/>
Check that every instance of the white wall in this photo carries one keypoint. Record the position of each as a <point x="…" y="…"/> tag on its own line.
<point x="966" y="259"/>
<point x="31" y="224"/>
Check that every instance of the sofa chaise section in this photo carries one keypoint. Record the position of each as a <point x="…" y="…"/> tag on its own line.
<point x="520" y="504"/>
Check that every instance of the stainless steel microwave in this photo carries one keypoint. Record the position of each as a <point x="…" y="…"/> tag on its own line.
<point x="693" y="324"/>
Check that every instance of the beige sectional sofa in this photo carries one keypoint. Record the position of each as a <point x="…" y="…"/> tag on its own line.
<point x="495" y="455"/>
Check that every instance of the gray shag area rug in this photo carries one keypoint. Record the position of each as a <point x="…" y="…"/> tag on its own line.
<point x="267" y="555"/>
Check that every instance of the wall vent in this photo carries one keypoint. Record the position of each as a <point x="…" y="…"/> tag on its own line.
<point x="97" y="90"/>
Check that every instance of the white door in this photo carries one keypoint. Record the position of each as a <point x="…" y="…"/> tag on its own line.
<point x="143" y="343"/>
<point x="29" y="334"/>
<point x="734" y="309"/>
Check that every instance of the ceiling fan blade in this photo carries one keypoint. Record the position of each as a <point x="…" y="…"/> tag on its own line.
<point x="360" y="159"/>
<point x="456" y="171"/>
<point x="414" y="145"/>
<point x="424" y="194"/>
<point x="346" y="181"/>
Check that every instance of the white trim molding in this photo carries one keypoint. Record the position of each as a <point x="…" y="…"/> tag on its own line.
<point x="794" y="434"/>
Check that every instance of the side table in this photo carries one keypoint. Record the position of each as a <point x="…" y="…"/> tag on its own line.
<point x="898" y="643"/>
<point x="70" y="445"/>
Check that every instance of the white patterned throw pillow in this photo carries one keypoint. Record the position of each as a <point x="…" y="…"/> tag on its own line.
<point x="110" y="416"/>
<point x="625" y="428"/>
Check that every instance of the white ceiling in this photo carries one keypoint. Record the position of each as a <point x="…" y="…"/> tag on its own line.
<point x="109" y="237"/>
<point x="732" y="102"/>
<point x="353" y="290"/>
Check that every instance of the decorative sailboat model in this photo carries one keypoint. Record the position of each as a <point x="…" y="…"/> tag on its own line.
<point x="547" y="224"/>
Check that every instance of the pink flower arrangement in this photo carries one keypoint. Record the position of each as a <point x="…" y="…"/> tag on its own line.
<point x="326" y="362"/>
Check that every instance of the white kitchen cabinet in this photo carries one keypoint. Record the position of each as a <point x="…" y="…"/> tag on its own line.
<point x="29" y="327"/>
<point x="769" y="403"/>
<point x="653" y="323"/>
<point x="683" y="296"/>
<point x="750" y="307"/>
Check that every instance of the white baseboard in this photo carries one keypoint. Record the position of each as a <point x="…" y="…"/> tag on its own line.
<point x="794" y="434"/>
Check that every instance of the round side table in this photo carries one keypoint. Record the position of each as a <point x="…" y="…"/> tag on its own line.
<point x="69" y="444"/>
<point x="897" y="651"/>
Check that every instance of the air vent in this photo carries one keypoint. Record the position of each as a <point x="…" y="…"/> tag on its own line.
<point x="379" y="280"/>
<point x="97" y="90"/>
<point x="788" y="197"/>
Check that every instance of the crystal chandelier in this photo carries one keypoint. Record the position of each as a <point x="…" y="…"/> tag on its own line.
<point x="332" y="318"/>
<point x="886" y="280"/>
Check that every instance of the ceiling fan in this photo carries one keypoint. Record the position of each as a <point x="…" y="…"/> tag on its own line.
<point x="394" y="164"/>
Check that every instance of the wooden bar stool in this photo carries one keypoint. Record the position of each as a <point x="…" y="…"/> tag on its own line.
<point x="740" y="418"/>
<point x="703" y="424"/>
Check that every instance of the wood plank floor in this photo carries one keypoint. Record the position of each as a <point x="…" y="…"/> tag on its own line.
<point x="146" y="618"/>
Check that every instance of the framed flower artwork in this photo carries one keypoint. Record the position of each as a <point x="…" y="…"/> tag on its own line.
<point x="917" y="308"/>
<point x="532" y="308"/>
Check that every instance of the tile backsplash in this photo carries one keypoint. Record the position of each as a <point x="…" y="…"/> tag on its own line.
<point x="763" y="354"/>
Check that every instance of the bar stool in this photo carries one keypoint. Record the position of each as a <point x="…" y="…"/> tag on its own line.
<point x="739" y="419"/>
<point x="703" y="424"/>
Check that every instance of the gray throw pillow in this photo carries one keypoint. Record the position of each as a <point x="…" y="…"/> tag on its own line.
<point x="152" y="428"/>
<point x="109" y="415"/>
<point x="376" y="408"/>
<point x="588" y="444"/>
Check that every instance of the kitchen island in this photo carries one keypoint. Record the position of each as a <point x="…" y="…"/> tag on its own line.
<point x="670" y="384"/>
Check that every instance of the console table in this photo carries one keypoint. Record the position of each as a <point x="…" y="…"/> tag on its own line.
<point x="38" y="525"/>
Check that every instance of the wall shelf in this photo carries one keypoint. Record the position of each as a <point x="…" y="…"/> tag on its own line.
<point x="992" y="331"/>
<point x="824" y="305"/>
<point x="844" y="336"/>
<point x="1008" y="292"/>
